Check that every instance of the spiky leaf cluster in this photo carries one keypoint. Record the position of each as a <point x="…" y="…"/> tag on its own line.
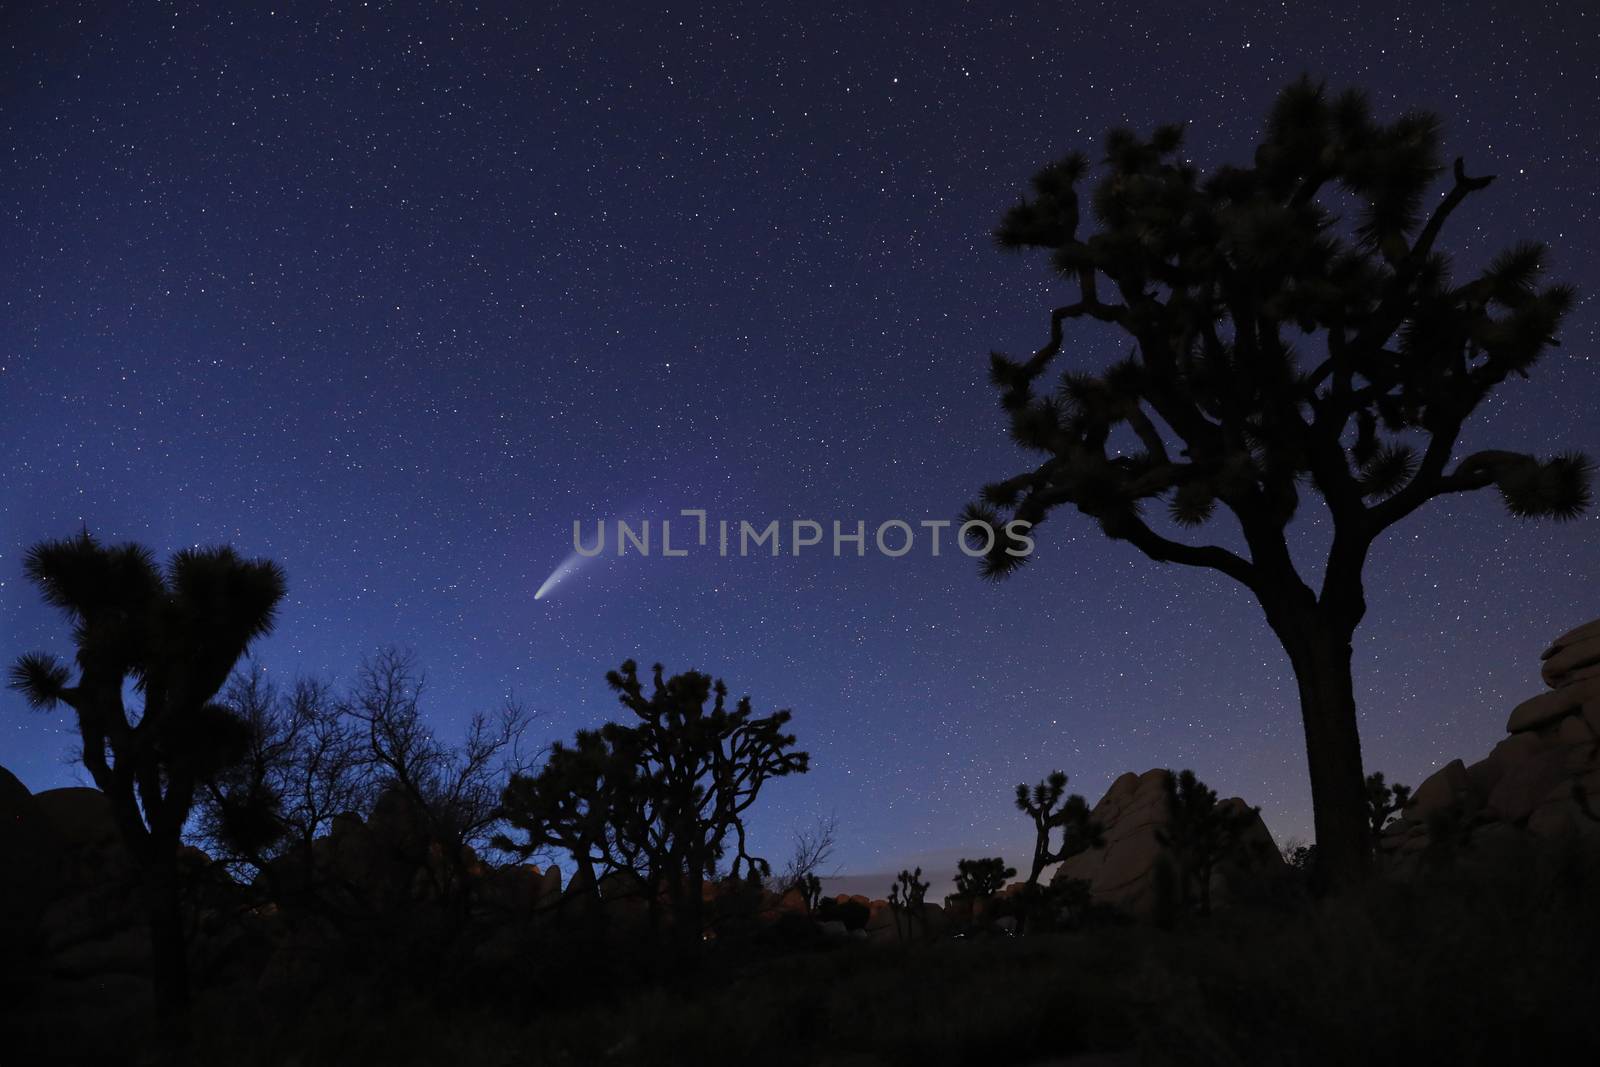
<point x="1383" y="801"/>
<point x="170" y="635"/>
<point x="1292" y="323"/>
<point x="983" y="878"/>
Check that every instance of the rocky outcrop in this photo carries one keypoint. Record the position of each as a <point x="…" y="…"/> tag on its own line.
<point x="1571" y="668"/>
<point x="1541" y="783"/>
<point x="73" y="940"/>
<point x="1133" y="869"/>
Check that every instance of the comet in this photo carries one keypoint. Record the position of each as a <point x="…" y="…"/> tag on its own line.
<point x="576" y="561"/>
<point x="564" y="570"/>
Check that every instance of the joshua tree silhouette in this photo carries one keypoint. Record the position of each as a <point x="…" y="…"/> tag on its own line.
<point x="663" y="796"/>
<point x="981" y="879"/>
<point x="1383" y="800"/>
<point x="1210" y="278"/>
<point x="173" y="636"/>
<point x="1078" y="832"/>
<point x="905" y="898"/>
<point x="1200" y="833"/>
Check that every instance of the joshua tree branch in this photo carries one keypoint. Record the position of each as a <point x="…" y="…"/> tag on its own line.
<point x="1089" y="305"/>
<point x="1137" y="532"/>
<point x="1392" y="311"/>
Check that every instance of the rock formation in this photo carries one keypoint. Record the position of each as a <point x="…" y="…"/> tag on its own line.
<point x="1127" y="872"/>
<point x="1541" y="783"/>
<point x="73" y="940"/>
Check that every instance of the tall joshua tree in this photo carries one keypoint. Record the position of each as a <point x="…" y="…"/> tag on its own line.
<point x="1277" y="345"/>
<point x="173" y="636"/>
<point x="699" y="771"/>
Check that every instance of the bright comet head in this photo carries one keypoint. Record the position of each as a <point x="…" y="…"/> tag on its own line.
<point x="566" y="569"/>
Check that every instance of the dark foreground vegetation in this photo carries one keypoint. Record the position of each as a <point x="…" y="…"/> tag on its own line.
<point x="1486" y="970"/>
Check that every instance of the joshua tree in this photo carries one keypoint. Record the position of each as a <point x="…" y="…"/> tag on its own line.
<point x="1211" y="279"/>
<point x="574" y="804"/>
<point x="981" y="879"/>
<point x="905" y="899"/>
<point x="1078" y="832"/>
<point x="700" y="771"/>
<point x="664" y="795"/>
<point x="1200" y="832"/>
<point x="1383" y="800"/>
<point x="810" y="887"/>
<point x="172" y="637"/>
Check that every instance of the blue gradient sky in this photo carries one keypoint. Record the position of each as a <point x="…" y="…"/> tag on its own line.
<point x="394" y="294"/>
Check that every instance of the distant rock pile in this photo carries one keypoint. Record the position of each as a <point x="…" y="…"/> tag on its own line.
<point x="1542" y="782"/>
<point x="1134" y="869"/>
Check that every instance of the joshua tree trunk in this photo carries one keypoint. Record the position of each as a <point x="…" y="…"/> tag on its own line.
<point x="1320" y="654"/>
<point x="692" y="911"/>
<point x="169" y="962"/>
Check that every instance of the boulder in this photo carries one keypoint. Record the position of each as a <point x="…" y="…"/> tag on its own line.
<point x="1447" y="789"/>
<point x="1575" y="730"/>
<point x="1121" y="872"/>
<point x="1591" y="715"/>
<point x="883" y="924"/>
<point x="14" y="797"/>
<point x="82" y="817"/>
<point x="1540" y="783"/>
<point x="1577" y="633"/>
<point x="1549" y="707"/>
<point x="26" y="838"/>
<point x="125" y="950"/>
<point x="1562" y="660"/>
<point x="1125" y="871"/>
<point x="1527" y="785"/>
<point x="1487" y="772"/>
<point x="515" y="888"/>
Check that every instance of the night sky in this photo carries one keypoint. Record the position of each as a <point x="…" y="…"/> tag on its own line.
<point x="393" y="294"/>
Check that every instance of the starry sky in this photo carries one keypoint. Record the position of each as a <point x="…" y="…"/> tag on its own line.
<point x="394" y="293"/>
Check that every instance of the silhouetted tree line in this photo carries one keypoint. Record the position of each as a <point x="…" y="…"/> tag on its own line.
<point x="259" y="775"/>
